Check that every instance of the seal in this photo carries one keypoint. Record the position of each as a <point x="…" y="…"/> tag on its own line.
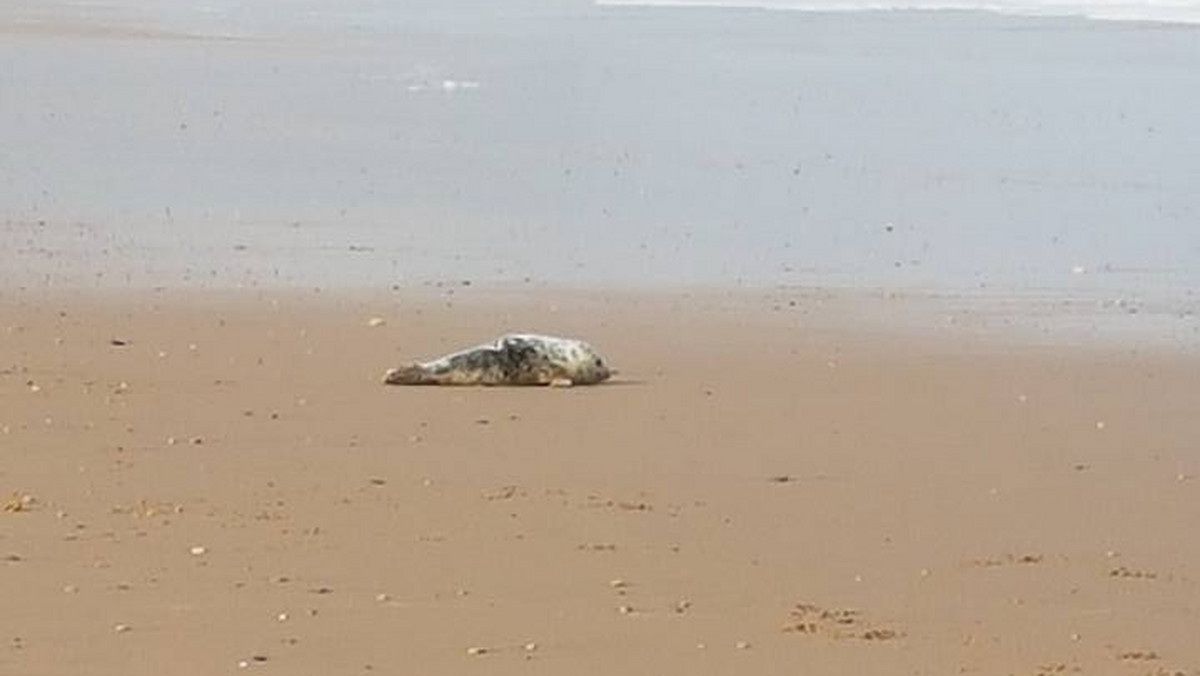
<point x="514" y="359"/>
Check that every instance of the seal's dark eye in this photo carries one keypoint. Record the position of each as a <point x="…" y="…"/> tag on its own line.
<point x="599" y="361"/>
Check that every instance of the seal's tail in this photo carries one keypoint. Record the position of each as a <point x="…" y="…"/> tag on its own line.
<point x="411" y="374"/>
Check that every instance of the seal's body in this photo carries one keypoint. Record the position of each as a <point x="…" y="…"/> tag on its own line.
<point x="515" y="359"/>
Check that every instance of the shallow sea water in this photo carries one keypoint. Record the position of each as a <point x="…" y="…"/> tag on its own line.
<point x="568" y="144"/>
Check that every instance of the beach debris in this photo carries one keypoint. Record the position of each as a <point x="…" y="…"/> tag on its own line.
<point x="476" y="651"/>
<point x="1009" y="559"/>
<point x="254" y="659"/>
<point x="742" y="645"/>
<point x="376" y="322"/>
<point x="626" y="610"/>
<point x="634" y="506"/>
<point x="530" y="647"/>
<point x="782" y="479"/>
<point x="618" y="584"/>
<point x="1132" y="574"/>
<point x="839" y="623"/>
<point x="118" y="342"/>
<point x="1138" y="656"/>
<point x="198" y="551"/>
<point x="502" y="493"/>
<point x="598" y="547"/>
<point x="19" y="502"/>
<point x="122" y="628"/>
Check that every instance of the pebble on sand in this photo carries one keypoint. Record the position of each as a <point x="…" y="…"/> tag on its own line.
<point x="376" y="322"/>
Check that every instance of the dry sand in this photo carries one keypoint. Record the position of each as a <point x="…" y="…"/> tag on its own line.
<point x="233" y="491"/>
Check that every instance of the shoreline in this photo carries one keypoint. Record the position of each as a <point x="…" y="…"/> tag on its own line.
<point x="981" y="319"/>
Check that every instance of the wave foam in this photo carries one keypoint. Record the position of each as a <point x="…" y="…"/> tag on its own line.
<point x="1160" y="11"/>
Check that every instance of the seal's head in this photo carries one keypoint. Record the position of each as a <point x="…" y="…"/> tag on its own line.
<point x="587" y="367"/>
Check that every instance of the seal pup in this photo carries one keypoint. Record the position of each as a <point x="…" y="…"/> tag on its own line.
<point x="514" y="359"/>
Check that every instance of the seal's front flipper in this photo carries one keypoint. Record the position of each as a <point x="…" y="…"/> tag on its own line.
<point x="412" y="374"/>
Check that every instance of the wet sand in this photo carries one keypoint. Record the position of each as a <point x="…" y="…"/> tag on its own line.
<point x="764" y="490"/>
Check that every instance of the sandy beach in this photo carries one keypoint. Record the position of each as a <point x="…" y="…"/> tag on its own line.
<point x="206" y="483"/>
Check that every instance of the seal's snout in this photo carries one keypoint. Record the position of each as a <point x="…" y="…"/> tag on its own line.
<point x="412" y="374"/>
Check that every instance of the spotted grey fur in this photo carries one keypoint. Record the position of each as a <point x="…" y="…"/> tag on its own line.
<point x="514" y="359"/>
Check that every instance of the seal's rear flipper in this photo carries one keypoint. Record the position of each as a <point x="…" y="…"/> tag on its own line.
<point x="412" y="374"/>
